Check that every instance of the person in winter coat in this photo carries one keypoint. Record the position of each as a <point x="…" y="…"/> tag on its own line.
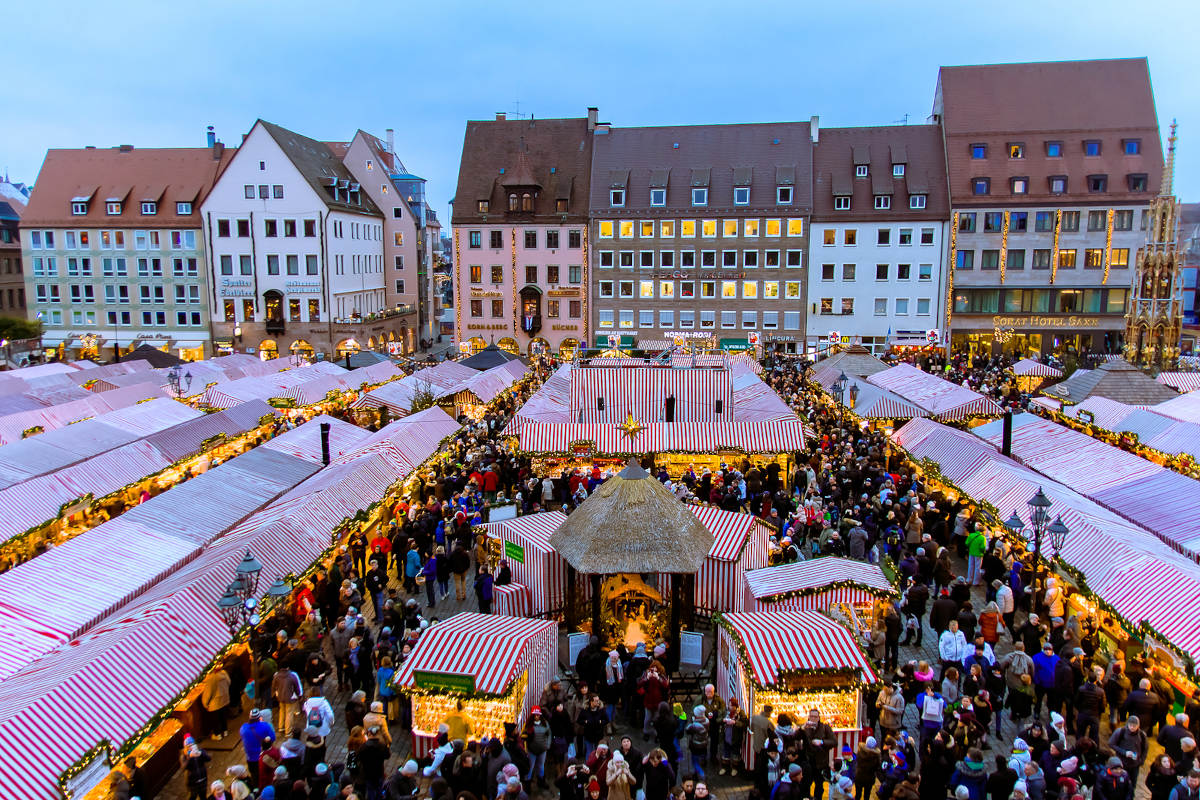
<point x="697" y="740"/>
<point x="1114" y="783"/>
<point x="483" y="589"/>
<point x="819" y="741"/>
<point x="573" y="783"/>
<point x="619" y="778"/>
<point x="732" y="730"/>
<point x="867" y="761"/>
<point x="592" y="721"/>
<point x="1161" y="779"/>
<point x="537" y="744"/>
<point x="614" y="679"/>
<point x="977" y="545"/>
<point x="971" y="773"/>
<point x="657" y="775"/>
<point x="214" y="696"/>
<point x="891" y="708"/>
<point x="652" y="686"/>
<point x="1189" y="788"/>
<point x="1128" y="743"/>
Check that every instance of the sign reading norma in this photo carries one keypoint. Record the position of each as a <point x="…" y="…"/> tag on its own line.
<point x="1034" y="321"/>
<point x="443" y="682"/>
<point x="514" y="552"/>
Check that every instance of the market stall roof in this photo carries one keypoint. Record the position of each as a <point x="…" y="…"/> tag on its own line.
<point x="225" y="394"/>
<point x="488" y="647"/>
<point x="186" y="438"/>
<point x="1028" y="367"/>
<point x="661" y="437"/>
<point x="1160" y="500"/>
<point x="818" y="574"/>
<point x="1102" y="546"/>
<point x="876" y="403"/>
<point x="537" y="528"/>
<point x="855" y="361"/>
<point x="305" y="441"/>
<point x="487" y="358"/>
<point x="155" y="357"/>
<point x="1185" y="407"/>
<point x="782" y="642"/>
<point x="939" y="397"/>
<point x="1153" y="428"/>
<point x="731" y="530"/>
<point x="1180" y="381"/>
<point x="631" y="523"/>
<point x="13" y="425"/>
<point x="1116" y="380"/>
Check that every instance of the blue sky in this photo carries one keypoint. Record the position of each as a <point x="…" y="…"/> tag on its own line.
<point x="155" y="73"/>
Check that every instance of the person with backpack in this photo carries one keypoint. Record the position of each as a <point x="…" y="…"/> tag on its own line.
<point x="318" y="713"/>
<point x="697" y="740"/>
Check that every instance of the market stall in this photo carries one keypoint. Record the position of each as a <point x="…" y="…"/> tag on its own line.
<point x="524" y="542"/>
<point x="858" y="589"/>
<point x="942" y="399"/>
<point x="497" y="666"/>
<point x="740" y="545"/>
<point x="793" y="661"/>
<point x="1033" y="374"/>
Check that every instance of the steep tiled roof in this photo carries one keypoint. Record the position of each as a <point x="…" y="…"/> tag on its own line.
<point x="918" y="147"/>
<point x="318" y="164"/>
<point x="1116" y="380"/>
<point x="169" y="175"/>
<point x="705" y="155"/>
<point x="558" y="155"/>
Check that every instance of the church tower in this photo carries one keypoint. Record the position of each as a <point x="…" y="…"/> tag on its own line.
<point x="1154" y="317"/>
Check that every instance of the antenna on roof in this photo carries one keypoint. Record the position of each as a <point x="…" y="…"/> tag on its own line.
<point x="517" y="113"/>
<point x="903" y="120"/>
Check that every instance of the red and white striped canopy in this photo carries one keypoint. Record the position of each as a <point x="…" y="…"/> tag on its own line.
<point x="1186" y="407"/>
<point x="730" y="529"/>
<point x="492" y="649"/>
<point x="787" y="641"/>
<point x="939" y="397"/>
<point x="1180" y="381"/>
<point x="683" y="437"/>
<point x="1029" y="368"/>
<point x="816" y="575"/>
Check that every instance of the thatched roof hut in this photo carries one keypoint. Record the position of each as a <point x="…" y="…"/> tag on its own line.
<point x="631" y="523"/>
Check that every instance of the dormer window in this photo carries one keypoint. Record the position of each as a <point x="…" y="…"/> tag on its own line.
<point x="1020" y="185"/>
<point x="1097" y="183"/>
<point x="482" y="206"/>
<point x="182" y="209"/>
<point x="560" y="206"/>
<point x="1058" y="184"/>
<point x="112" y="207"/>
<point x="741" y="196"/>
<point x="514" y="202"/>
<point x="897" y="170"/>
<point x="1016" y="150"/>
<point x="370" y="165"/>
<point x="527" y="202"/>
<point x="1137" y="182"/>
<point x="700" y="196"/>
<point x="883" y="202"/>
<point x="383" y="188"/>
<point x="783" y="195"/>
<point x="149" y="208"/>
<point x="861" y="171"/>
<point x="916" y="201"/>
<point x="616" y="198"/>
<point x="841" y="203"/>
<point x="658" y="197"/>
<point x="1091" y="147"/>
<point x="79" y="209"/>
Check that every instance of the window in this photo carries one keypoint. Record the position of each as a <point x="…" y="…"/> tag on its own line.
<point x="1015" y="259"/>
<point x="989" y="259"/>
<point x="829" y="237"/>
<point x="884" y="236"/>
<point x="897" y="170"/>
<point x="848" y="272"/>
<point x="152" y="294"/>
<point x="741" y="195"/>
<point x="1097" y="183"/>
<point x="497" y="308"/>
<point x="847" y="305"/>
<point x="149" y="208"/>
<point x="574" y="273"/>
<point x="531" y="273"/>
<point x="993" y="221"/>
<point x="560" y="206"/>
<point x="625" y="319"/>
<point x="850" y="237"/>
<point x="185" y="267"/>
<point x="926" y="236"/>
<point x="1070" y="220"/>
<point x="749" y="320"/>
<point x="1054" y="149"/>
<point x="902" y="306"/>
<point x="708" y="228"/>
<point x="687" y="289"/>
<point x="981" y="186"/>
<point x="826" y="306"/>
<point x="1137" y="183"/>
<point x="79" y="209"/>
<point x="687" y="258"/>
<point x="1091" y="147"/>
<point x="750" y="228"/>
<point x="903" y="272"/>
<point x="1066" y="259"/>
<point x="645" y="318"/>
<point x="841" y="203"/>
<point x="46" y="293"/>
<point x="646" y="289"/>
<point x="881" y="272"/>
<point x="792" y="290"/>
<point x="707" y="319"/>
<point x="646" y="259"/>
<point x="183" y="240"/>
<point x="1093" y="258"/>
<point x="248" y="190"/>
<point x="476" y="272"/>
<point x="552" y="274"/>
<point x="606" y="288"/>
<point x="552" y="240"/>
<point x="1119" y="258"/>
<point x="289" y="231"/>
<point x="151" y="267"/>
<point x="264" y="191"/>
<point x="750" y="290"/>
<point x="1041" y="259"/>
<point x="310" y="265"/>
<point x="187" y="294"/>
<point x="530" y="240"/>
<point x="795" y="259"/>
<point x="922" y="307"/>
<point x="476" y="308"/>
<point x="1116" y="301"/>
<point x="112" y="207"/>
<point x="293" y="265"/>
<point x="861" y="171"/>
<point x="1019" y="185"/>
<point x="728" y="319"/>
<point x="277" y="191"/>
<point x="882" y="202"/>
<point x="1043" y="221"/>
<point x="666" y="229"/>
<point x="658" y="197"/>
<point x="729" y="290"/>
<point x="916" y="201"/>
<point x="964" y="259"/>
<point x="666" y="319"/>
<point x="223" y="228"/>
<point x="783" y="195"/>
<point x="616" y="198"/>
<point x="116" y="267"/>
<point x="1058" y="184"/>
<point x="750" y="259"/>
<point x="708" y="258"/>
<point x="1069" y="300"/>
<point x="881" y="305"/>
<point x="772" y="258"/>
<point x="272" y="265"/>
<point x="925" y="272"/>
<point x="1145" y="217"/>
<point x="1123" y="220"/>
<point x="574" y="239"/>
<point x="1097" y="220"/>
<point x="771" y="290"/>
<point x="606" y="259"/>
<point x="827" y="272"/>
<point x="474" y="239"/>
<point x="966" y="222"/>
<point x="606" y="318"/>
<point x="729" y="228"/>
<point x="86" y="293"/>
<point x="625" y="229"/>
<point x="729" y="258"/>
<point x="667" y="258"/>
<point x="791" y="320"/>
<point x="979" y="151"/>
<point x="770" y="320"/>
<point x="1132" y="147"/>
<point x="482" y="206"/>
<point x="687" y="228"/>
<point x="626" y="288"/>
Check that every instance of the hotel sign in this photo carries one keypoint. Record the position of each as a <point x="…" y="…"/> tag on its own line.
<point x="237" y="288"/>
<point x="1035" y="321"/>
<point x="563" y="293"/>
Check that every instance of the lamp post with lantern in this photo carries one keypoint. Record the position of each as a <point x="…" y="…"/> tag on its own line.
<point x="1039" y="526"/>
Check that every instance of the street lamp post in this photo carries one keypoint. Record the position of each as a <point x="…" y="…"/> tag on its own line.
<point x="839" y="389"/>
<point x="1039" y="525"/>
<point x="180" y="382"/>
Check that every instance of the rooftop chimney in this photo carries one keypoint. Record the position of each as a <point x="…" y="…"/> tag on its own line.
<point x="218" y="150"/>
<point x="814" y="128"/>
<point x="500" y="115"/>
<point x="212" y="136"/>
<point x="593" y="117"/>
<point x="391" y="141"/>
<point x="126" y="148"/>
<point x="325" y="426"/>
<point x="1006" y="441"/>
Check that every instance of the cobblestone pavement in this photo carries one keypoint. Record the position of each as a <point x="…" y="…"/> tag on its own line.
<point x="724" y="787"/>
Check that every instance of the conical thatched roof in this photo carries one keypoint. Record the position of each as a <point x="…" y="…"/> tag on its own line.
<point x="631" y="523"/>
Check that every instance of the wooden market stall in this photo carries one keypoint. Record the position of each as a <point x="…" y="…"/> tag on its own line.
<point x="793" y="661"/>
<point x="524" y="542"/>
<point x="1032" y="374"/>
<point x="855" y="588"/>
<point x="740" y="545"/>
<point x="497" y="666"/>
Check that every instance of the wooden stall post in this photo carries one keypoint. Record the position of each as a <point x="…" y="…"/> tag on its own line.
<point x="569" y="616"/>
<point x="596" y="604"/>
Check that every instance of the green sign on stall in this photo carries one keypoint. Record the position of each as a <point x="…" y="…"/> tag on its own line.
<point x="514" y="552"/>
<point x="443" y="682"/>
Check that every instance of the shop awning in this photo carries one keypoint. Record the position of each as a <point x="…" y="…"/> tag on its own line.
<point x="735" y="345"/>
<point x="622" y="341"/>
<point x="188" y="345"/>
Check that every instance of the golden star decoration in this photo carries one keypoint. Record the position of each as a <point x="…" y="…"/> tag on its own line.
<point x="631" y="426"/>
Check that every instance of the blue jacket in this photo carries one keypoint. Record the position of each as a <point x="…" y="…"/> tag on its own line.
<point x="412" y="564"/>
<point x="1043" y="669"/>
<point x="252" y="734"/>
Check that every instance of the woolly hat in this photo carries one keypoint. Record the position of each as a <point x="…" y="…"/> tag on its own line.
<point x="510" y="771"/>
<point x="871" y="741"/>
<point x="1115" y="763"/>
<point x="1019" y="745"/>
<point x="593" y="785"/>
<point x="409" y="768"/>
<point x="794" y="769"/>
<point x="961" y="793"/>
<point x="1068" y="766"/>
<point x="698" y="712"/>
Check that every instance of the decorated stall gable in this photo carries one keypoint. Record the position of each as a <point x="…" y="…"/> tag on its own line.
<point x="816" y="585"/>
<point x="777" y="645"/>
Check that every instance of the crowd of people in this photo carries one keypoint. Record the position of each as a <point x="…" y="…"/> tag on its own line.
<point x="1080" y="719"/>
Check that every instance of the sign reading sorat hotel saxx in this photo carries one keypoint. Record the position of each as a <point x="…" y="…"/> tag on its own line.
<point x="1034" y="321"/>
